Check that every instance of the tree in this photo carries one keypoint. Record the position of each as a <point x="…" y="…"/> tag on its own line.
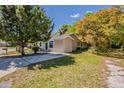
<point x="98" y="28"/>
<point x="89" y="13"/>
<point x="71" y="30"/>
<point x="67" y="29"/>
<point x="24" y="24"/>
<point x="63" y="29"/>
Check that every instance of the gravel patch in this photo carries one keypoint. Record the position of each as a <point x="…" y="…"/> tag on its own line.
<point x="6" y="84"/>
<point x="116" y="76"/>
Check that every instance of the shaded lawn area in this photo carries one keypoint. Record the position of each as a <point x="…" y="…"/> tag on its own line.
<point x="78" y="70"/>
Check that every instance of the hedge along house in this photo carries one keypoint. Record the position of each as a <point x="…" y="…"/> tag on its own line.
<point x="63" y="43"/>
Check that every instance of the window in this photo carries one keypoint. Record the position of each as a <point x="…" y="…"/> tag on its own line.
<point x="51" y="44"/>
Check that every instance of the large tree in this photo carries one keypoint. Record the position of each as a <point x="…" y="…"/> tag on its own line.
<point x="23" y="24"/>
<point x="98" y="28"/>
<point x="67" y="29"/>
<point x="63" y="29"/>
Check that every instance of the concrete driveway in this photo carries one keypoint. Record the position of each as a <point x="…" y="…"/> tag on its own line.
<point x="9" y="65"/>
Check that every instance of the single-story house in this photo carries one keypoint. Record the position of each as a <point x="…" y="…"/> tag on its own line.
<point x="62" y="43"/>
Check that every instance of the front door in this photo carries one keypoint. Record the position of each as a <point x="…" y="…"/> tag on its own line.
<point x="46" y="46"/>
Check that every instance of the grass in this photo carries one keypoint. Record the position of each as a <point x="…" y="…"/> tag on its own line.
<point x="13" y="53"/>
<point x="77" y="70"/>
<point x="8" y="47"/>
<point x="27" y="51"/>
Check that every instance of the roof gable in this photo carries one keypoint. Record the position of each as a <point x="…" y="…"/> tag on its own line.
<point x="71" y="36"/>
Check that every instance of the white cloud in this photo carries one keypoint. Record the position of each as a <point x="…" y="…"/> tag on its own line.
<point x="89" y="11"/>
<point x="75" y="15"/>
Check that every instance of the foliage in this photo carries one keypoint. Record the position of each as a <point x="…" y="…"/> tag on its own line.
<point x="35" y="49"/>
<point x="71" y="30"/>
<point x="89" y="13"/>
<point x="63" y="29"/>
<point x="23" y="24"/>
<point x="66" y="29"/>
<point x="98" y="29"/>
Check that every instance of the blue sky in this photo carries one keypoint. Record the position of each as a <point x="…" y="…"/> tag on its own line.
<point x="68" y="14"/>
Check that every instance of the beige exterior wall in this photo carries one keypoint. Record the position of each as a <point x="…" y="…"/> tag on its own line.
<point x="74" y="45"/>
<point x="64" y="45"/>
<point x="67" y="45"/>
<point x="58" y="46"/>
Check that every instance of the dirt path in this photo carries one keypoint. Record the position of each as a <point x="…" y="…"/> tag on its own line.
<point x="116" y="75"/>
<point x="6" y="84"/>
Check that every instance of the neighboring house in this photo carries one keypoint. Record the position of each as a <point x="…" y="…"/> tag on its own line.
<point x="62" y="43"/>
<point x="2" y="43"/>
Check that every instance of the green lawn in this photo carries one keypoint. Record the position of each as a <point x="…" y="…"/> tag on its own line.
<point x="78" y="70"/>
<point x="27" y="51"/>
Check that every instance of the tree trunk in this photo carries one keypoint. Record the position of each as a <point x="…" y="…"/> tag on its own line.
<point x="35" y="52"/>
<point x="22" y="50"/>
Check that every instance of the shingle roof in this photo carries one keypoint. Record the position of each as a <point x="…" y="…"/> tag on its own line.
<point x="72" y="36"/>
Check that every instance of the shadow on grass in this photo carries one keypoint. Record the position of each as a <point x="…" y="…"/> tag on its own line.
<point x="64" y="61"/>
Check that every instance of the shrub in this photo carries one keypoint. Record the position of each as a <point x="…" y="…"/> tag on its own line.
<point x="35" y="49"/>
<point x="85" y="46"/>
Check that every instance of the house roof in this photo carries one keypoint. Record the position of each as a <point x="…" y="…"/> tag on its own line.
<point x="71" y="36"/>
